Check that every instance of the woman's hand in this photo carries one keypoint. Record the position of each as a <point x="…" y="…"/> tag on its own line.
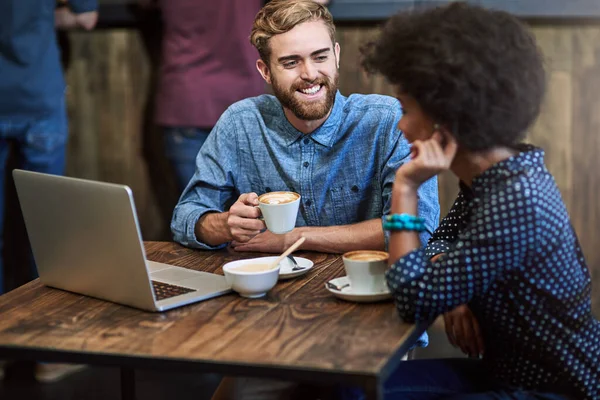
<point x="463" y="331"/>
<point x="462" y="328"/>
<point x="428" y="158"/>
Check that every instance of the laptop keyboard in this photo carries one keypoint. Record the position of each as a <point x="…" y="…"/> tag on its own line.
<point x="165" y="290"/>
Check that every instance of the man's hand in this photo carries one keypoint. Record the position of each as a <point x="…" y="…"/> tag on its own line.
<point x="267" y="242"/>
<point x="87" y="20"/>
<point x="64" y="19"/>
<point x="463" y="331"/>
<point x="242" y="221"/>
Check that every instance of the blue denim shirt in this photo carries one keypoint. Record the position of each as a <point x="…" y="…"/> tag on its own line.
<point x="31" y="79"/>
<point x="344" y="170"/>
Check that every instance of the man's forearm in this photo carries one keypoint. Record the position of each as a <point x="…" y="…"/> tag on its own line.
<point x="212" y="229"/>
<point x="366" y="235"/>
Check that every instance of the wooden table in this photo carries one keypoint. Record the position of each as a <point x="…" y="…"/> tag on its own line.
<point x="299" y="331"/>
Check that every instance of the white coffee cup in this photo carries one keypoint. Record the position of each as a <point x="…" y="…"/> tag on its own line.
<point x="365" y="270"/>
<point x="279" y="210"/>
<point x="252" y="277"/>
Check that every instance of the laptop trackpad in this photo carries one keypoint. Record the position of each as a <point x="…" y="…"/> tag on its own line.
<point x="154" y="266"/>
<point x="176" y="274"/>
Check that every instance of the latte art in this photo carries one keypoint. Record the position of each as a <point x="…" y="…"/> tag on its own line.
<point x="278" y="197"/>
<point x="366" y="255"/>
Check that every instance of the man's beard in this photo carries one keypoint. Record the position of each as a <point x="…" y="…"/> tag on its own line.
<point x="308" y="111"/>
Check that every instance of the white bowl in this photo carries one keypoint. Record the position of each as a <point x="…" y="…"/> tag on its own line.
<point x="251" y="284"/>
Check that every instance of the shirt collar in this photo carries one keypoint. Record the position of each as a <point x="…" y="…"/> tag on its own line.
<point x="326" y="133"/>
<point x="528" y="159"/>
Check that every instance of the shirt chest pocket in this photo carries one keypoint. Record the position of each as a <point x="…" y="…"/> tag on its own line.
<point x="353" y="203"/>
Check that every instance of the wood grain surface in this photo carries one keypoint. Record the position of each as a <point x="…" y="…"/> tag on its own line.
<point x="299" y="325"/>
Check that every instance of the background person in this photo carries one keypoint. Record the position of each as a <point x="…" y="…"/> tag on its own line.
<point x="33" y="118"/>
<point x="207" y="64"/>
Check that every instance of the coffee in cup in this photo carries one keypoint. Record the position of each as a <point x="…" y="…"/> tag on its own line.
<point x="366" y="270"/>
<point x="367" y="255"/>
<point x="254" y="267"/>
<point x="278" y="197"/>
<point x="279" y="210"/>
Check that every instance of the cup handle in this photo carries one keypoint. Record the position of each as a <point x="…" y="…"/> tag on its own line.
<point x="260" y="216"/>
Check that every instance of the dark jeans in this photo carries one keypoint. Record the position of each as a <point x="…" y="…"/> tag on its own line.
<point x="446" y="379"/>
<point x="41" y="146"/>
<point x="182" y="146"/>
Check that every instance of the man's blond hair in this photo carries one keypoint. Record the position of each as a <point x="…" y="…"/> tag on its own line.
<point x="281" y="16"/>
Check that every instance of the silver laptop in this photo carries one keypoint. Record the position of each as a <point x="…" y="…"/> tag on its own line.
<point x="86" y="239"/>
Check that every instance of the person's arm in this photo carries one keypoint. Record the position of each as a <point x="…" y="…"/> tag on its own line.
<point x="397" y="153"/>
<point x="424" y="289"/>
<point x="463" y="331"/>
<point x="368" y="235"/>
<point x="77" y="14"/>
<point x="240" y="223"/>
<point x="428" y="159"/>
<point x="200" y="219"/>
<point x="212" y="229"/>
<point x="365" y="235"/>
<point x="461" y="326"/>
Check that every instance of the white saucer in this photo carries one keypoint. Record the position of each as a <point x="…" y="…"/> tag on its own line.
<point x="285" y="267"/>
<point x="347" y="294"/>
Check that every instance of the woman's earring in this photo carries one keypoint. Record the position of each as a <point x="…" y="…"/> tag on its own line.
<point x="436" y="127"/>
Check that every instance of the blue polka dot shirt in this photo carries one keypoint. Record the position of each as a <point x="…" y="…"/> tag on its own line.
<point x="511" y="254"/>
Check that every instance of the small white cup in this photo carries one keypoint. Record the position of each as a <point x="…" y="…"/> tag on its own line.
<point x="366" y="270"/>
<point x="279" y="210"/>
<point x="254" y="283"/>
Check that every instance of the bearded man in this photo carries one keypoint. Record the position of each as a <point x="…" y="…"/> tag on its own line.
<point x="339" y="153"/>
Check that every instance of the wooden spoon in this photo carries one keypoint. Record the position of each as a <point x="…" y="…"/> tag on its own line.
<point x="288" y="251"/>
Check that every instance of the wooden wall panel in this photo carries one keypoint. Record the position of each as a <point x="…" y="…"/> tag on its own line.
<point x="112" y="75"/>
<point x="585" y="207"/>
<point x="108" y="85"/>
<point x="553" y="129"/>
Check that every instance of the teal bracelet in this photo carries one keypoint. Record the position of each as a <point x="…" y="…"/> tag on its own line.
<point x="403" y="222"/>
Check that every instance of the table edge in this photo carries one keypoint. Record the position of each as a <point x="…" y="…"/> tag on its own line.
<point x="296" y="373"/>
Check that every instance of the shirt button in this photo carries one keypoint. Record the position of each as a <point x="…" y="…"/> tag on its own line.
<point x="308" y="202"/>
<point x="305" y="164"/>
<point x="306" y="141"/>
<point x="267" y="189"/>
<point x="354" y="188"/>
